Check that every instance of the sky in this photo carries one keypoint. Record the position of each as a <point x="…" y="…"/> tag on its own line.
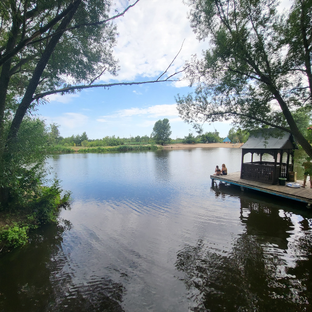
<point x="149" y="37"/>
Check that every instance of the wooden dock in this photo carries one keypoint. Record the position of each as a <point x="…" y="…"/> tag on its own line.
<point x="303" y="195"/>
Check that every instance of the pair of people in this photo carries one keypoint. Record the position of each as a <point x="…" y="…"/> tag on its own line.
<point x="222" y="171"/>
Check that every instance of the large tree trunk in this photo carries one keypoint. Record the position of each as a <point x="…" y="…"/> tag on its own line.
<point x="28" y="97"/>
<point x="293" y="126"/>
<point x="33" y="83"/>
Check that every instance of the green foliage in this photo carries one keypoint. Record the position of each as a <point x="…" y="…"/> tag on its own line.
<point x="14" y="236"/>
<point x="161" y="131"/>
<point x="22" y="167"/>
<point x="208" y="137"/>
<point x="46" y="205"/>
<point x="121" y="148"/>
<point x="211" y="137"/>
<point x="54" y="134"/>
<point x="190" y="139"/>
<point x="238" y="136"/>
<point x="43" y="207"/>
<point x="60" y="149"/>
<point x="257" y="71"/>
<point x="84" y="143"/>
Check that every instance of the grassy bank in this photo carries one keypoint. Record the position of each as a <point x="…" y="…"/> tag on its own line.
<point x="59" y="149"/>
<point x="120" y="148"/>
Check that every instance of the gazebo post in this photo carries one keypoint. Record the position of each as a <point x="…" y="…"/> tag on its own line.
<point x="287" y="166"/>
<point x="274" y="173"/>
<point x="281" y="162"/>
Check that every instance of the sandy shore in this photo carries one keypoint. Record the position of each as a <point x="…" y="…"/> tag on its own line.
<point x="202" y="145"/>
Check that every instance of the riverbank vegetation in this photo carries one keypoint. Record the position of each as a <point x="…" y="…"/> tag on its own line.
<point x="82" y="144"/>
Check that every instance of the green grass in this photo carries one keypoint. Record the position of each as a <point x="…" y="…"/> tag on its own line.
<point x="120" y="148"/>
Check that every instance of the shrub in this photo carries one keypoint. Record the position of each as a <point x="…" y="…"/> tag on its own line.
<point x="14" y="236"/>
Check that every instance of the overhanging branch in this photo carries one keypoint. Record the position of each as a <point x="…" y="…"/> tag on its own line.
<point x="106" y="85"/>
<point x="91" y="24"/>
<point x="231" y="113"/>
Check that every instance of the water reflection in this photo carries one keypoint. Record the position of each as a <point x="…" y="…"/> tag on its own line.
<point x="44" y="281"/>
<point x="146" y="230"/>
<point x="162" y="169"/>
<point x="268" y="268"/>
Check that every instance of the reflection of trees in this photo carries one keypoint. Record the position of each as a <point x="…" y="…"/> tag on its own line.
<point x="265" y="221"/>
<point x="268" y="268"/>
<point x="162" y="169"/>
<point x="241" y="280"/>
<point x="35" y="278"/>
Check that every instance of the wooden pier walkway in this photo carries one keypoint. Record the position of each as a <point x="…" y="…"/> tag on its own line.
<point x="301" y="194"/>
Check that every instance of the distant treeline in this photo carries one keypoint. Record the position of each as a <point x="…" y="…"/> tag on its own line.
<point x="60" y="145"/>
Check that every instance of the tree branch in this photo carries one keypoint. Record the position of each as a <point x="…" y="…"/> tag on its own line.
<point x="107" y="85"/>
<point x="9" y="54"/>
<point x="249" y="117"/>
<point x="91" y="24"/>
<point x="172" y="61"/>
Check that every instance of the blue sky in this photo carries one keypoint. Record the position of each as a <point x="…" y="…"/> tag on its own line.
<point x="150" y="36"/>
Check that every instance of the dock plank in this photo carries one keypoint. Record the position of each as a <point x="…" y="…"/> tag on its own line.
<point x="299" y="194"/>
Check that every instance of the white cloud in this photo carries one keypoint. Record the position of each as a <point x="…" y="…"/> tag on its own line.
<point x="147" y="124"/>
<point x="152" y="111"/>
<point x="71" y="120"/>
<point x="62" y="98"/>
<point x="101" y="120"/>
<point x="150" y="36"/>
<point x="136" y="92"/>
<point x="173" y="120"/>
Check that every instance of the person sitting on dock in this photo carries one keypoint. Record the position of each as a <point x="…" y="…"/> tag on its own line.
<point x="224" y="169"/>
<point x="307" y="171"/>
<point x="218" y="171"/>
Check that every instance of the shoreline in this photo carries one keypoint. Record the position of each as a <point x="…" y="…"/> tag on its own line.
<point x="176" y="146"/>
<point x="202" y="145"/>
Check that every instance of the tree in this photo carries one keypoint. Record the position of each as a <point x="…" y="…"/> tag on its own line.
<point x="84" y="137"/>
<point x="42" y="43"/>
<point x="54" y="134"/>
<point x="257" y="70"/>
<point x="238" y="135"/>
<point x="189" y="139"/>
<point x="27" y="160"/>
<point x="161" y="131"/>
<point x="211" y="137"/>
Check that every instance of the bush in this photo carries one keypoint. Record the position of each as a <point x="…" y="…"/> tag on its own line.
<point x="60" y="149"/>
<point x="121" y="148"/>
<point x="14" y="236"/>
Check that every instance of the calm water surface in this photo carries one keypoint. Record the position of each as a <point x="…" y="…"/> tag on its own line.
<point x="146" y="232"/>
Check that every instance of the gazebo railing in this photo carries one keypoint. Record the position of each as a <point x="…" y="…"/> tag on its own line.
<point x="261" y="171"/>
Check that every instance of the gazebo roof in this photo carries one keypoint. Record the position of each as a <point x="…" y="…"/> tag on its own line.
<point x="270" y="139"/>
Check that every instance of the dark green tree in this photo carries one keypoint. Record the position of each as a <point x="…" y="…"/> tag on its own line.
<point x="238" y="135"/>
<point x="211" y="137"/>
<point x="189" y="139"/>
<point x="161" y="131"/>
<point x="42" y="44"/>
<point x="257" y="71"/>
<point x="54" y="134"/>
<point x="84" y="137"/>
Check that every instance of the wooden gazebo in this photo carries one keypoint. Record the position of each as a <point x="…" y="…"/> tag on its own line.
<point x="274" y="142"/>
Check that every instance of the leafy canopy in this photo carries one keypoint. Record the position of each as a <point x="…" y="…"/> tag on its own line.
<point x="257" y="70"/>
<point x="161" y="131"/>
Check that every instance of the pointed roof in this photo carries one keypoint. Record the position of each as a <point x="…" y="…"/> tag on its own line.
<point x="226" y="140"/>
<point x="270" y="139"/>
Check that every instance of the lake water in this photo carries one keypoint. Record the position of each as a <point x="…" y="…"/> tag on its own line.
<point x="146" y="232"/>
